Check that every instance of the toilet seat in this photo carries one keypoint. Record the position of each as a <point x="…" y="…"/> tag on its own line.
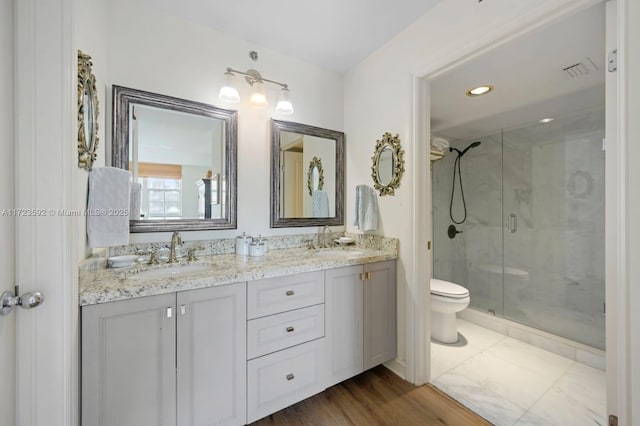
<point x="448" y="289"/>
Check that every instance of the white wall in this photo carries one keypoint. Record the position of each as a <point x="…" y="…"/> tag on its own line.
<point x="188" y="61"/>
<point x="379" y="97"/>
<point x="631" y="85"/>
<point x="7" y="324"/>
<point x="91" y="39"/>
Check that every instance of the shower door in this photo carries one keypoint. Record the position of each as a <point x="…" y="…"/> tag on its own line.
<point x="553" y="233"/>
<point x="532" y="247"/>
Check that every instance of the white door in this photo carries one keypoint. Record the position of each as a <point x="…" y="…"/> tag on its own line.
<point x="7" y="323"/>
<point x="43" y="157"/>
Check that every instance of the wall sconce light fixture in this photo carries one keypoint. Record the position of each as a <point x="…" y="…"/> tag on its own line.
<point x="228" y="92"/>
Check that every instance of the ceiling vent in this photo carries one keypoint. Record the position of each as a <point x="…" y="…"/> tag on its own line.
<point x="581" y="68"/>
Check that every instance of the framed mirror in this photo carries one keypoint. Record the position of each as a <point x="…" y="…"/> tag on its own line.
<point x="87" y="113"/>
<point x="315" y="176"/>
<point x="183" y="158"/>
<point x="311" y="200"/>
<point x="388" y="164"/>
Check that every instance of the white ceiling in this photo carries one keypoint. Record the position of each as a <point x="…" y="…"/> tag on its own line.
<point x="335" y="34"/>
<point x="529" y="80"/>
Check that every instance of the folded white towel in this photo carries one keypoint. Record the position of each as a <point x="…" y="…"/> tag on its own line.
<point x="109" y="198"/>
<point x="320" y="203"/>
<point x="134" y="211"/>
<point x="439" y="144"/>
<point x="366" y="208"/>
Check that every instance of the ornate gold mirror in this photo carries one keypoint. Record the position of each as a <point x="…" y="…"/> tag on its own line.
<point x="315" y="176"/>
<point x="87" y="113"/>
<point x="388" y="164"/>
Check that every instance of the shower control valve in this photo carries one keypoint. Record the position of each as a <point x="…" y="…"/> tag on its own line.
<point x="452" y="231"/>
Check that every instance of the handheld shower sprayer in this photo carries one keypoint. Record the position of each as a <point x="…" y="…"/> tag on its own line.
<point x="456" y="165"/>
<point x="464" y="151"/>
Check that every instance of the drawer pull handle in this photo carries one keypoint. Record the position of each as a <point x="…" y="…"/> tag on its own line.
<point x="289" y="293"/>
<point x="289" y="329"/>
<point x="290" y="376"/>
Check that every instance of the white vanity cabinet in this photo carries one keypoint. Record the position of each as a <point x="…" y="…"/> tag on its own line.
<point x="232" y="354"/>
<point x="173" y="359"/>
<point x="380" y="318"/>
<point x="344" y="323"/>
<point x="286" y="324"/>
<point x="212" y="352"/>
<point x="361" y="318"/>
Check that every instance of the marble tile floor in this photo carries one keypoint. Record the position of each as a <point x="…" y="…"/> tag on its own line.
<point x="509" y="382"/>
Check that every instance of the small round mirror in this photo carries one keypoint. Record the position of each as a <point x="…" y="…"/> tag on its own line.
<point x="89" y="120"/>
<point x="315" y="176"/>
<point x="388" y="164"/>
<point x="87" y="113"/>
<point x="385" y="166"/>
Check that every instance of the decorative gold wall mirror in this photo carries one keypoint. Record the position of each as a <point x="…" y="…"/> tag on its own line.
<point x="87" y="113"/>
<point x="388" y="164"/>
<point x="183" y="155"/>
<point x="314" y="199"/>
<point x="315" y="176"/>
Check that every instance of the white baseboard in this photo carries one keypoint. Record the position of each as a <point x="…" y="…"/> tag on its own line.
<point x="579" y="352"/>
<point x="396" y="366"/>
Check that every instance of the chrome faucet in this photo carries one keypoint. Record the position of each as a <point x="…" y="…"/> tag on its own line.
<point x="176" y="239"/>
<point x="322" y="243"/>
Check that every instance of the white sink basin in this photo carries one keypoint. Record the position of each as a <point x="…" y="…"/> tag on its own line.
<point x="338" y="252"/>
<point x="172" y="271"/>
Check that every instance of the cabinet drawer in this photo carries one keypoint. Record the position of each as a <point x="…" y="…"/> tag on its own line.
<point x="280" y="331"/>
<point x="283" y="378"/>
<point x="275" y="295"/>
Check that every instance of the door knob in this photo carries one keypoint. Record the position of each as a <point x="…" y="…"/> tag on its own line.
<point x="27" y="301"/>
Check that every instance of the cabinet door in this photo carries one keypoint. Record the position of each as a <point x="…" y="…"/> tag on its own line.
<point x="128" y="362"/>
<point x="380" y="336"/>
<point x="212" y="356"/>
<point x="343" y="323"/>
<point x="280" y="379"/>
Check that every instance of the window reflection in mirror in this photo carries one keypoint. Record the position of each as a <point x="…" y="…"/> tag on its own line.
<point x="175" y="180"/>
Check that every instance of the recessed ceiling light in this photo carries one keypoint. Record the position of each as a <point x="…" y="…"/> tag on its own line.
<point x="546" y="120"/>
<point x="480" y="90"/>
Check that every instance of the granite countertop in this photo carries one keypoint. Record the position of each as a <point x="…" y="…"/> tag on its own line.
<point x="111" y="284"/>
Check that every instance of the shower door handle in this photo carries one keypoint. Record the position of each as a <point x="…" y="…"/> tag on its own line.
<point x="513" y="223"/>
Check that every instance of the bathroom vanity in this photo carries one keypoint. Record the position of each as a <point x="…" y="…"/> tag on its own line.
<point x="235" y="340"/>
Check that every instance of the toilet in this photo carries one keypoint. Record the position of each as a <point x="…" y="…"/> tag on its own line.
<point x="447" y="298"/>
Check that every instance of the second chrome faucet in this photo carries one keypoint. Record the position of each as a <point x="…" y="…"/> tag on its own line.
<point x="176" y="239"/>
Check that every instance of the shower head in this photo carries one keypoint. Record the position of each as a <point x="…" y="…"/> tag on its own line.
<point x="464" y="151"/>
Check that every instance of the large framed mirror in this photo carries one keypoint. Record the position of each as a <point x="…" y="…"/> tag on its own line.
<point x="307" y="175"/>
<point x="183" y="158"/>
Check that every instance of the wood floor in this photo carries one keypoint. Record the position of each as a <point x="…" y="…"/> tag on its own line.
<point x="376" y="397"/>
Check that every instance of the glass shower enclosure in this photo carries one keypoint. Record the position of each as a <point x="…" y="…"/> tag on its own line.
<point x="532" y="247"/>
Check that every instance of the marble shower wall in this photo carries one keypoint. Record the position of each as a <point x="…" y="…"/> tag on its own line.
<point x="551" y="177"/>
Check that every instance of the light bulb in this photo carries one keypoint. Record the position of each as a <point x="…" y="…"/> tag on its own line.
<point x="284" y="105"/>
<point x="228" y="93"/>
<point x="258" y="96"/>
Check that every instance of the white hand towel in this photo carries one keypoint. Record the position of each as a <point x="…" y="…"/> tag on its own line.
<point x="320" y="203"/>
<point x="366" y="208"/>
<point x="439" y="144"/>
<point x="109" y="198"/>
<point x="134" y="212"/>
